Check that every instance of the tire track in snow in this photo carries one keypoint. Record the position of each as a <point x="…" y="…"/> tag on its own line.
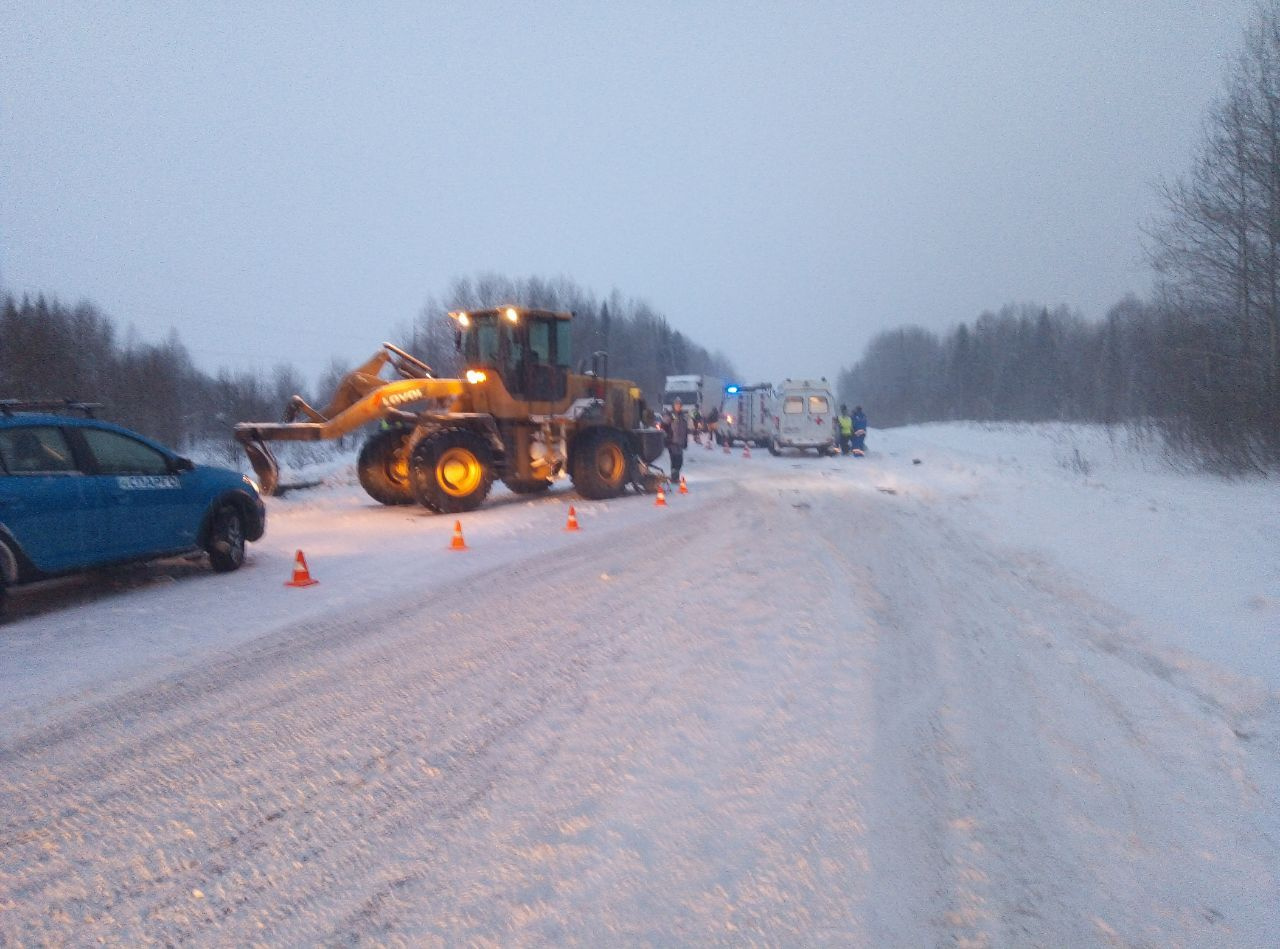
<point x="306" y="706"/>
<point x="1021" y="746"/>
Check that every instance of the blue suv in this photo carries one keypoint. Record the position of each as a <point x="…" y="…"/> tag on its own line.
<point x="76" y="493"/>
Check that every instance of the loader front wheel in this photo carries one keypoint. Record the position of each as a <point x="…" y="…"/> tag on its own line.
<point x="600" y="465"/>
<point x="384" y="468"/>
<point x="451" y="471"/>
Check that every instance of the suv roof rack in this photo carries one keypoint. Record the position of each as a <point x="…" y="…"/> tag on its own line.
<point x="10" y="406"/>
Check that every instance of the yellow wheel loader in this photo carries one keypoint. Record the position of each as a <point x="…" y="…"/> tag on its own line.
<point x="519" y="414"/>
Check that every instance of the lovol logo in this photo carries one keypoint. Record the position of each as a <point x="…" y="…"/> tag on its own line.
<point x="399" y="398"/>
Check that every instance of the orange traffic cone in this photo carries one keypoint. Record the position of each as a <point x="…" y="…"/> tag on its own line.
<point x="572" y="525"/>
<point x="662" y="499"/>
<point x="746" y="451"/>
<point x="457" y="543"/>
<point x="684" y="488"/>
<point x="301" y="575"/>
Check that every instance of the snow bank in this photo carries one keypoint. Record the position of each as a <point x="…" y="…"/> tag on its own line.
<point x="1194" y="558"/>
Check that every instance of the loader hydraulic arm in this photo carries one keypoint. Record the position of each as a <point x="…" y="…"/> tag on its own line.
<point x="363" y="397"/>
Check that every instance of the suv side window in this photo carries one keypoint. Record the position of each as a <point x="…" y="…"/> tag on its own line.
<point x="119" y="455"/>
<point x="37" y="449"/>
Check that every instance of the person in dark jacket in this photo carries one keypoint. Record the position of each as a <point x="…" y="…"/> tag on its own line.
<point x="676" y="426"/>
<point x="713" y="421"/>
<point x="859" y="430"/>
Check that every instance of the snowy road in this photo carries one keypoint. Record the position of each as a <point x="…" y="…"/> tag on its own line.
<point x="804" y="705"/>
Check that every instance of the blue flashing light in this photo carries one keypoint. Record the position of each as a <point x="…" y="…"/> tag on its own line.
<point x="732" y="390"/>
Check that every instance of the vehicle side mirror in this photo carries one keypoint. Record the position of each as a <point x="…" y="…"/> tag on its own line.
<point x="181" y="464"/>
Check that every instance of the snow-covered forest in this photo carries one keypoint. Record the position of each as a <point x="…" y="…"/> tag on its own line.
<point x="1199" y="360"/>
<point x="51" y="350"/>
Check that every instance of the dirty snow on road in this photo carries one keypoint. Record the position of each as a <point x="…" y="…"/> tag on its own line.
<point x="815" y="701"/>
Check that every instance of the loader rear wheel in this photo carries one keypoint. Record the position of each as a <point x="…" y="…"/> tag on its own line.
<point x="600" y="465"/>
<point x="451" y="471"/>
<point x="384" y="468"/>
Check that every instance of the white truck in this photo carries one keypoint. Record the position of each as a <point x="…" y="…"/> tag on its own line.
<point x="694" y="392"/>
<point x="804" y="415"/>
<point x="747" y="415"/>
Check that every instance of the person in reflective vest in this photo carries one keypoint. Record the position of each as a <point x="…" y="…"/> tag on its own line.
<point x="844" y="426"/>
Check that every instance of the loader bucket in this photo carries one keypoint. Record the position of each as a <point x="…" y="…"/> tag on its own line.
<point x="264" y="465"/>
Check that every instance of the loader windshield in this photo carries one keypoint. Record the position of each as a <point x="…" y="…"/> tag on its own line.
<point x="531" y="352"/>
<point x="487" y="342"/>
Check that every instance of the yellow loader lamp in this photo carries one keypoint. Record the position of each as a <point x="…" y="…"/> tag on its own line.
<point x="475" y="376"/>
<point x="512" y="315"/>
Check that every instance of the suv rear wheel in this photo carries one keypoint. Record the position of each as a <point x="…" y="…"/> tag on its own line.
<point x="8" y="566"/>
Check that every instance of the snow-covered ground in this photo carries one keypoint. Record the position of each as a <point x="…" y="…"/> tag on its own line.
<point x="990" y="686"/>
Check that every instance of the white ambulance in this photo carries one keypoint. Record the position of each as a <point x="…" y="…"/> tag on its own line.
<point x="804" y="416"/>
<point x="747" y="416"/>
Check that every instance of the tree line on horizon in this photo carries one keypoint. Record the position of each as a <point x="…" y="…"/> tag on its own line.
<point x="1199" y="362"/>
<point x="51" y="350"/>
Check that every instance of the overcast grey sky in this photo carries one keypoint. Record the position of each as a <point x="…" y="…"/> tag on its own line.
<point x="286" y="182"/>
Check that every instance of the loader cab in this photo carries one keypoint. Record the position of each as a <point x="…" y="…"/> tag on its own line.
<point x="528" y="349"/>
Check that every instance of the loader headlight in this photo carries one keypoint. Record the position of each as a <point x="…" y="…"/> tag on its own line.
<point x="475" y="376"/>
<point x="511" y="314"/>
<point x="257" y="488"/>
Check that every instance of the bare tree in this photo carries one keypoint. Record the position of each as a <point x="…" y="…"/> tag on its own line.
<point x="1217" y="251"/>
